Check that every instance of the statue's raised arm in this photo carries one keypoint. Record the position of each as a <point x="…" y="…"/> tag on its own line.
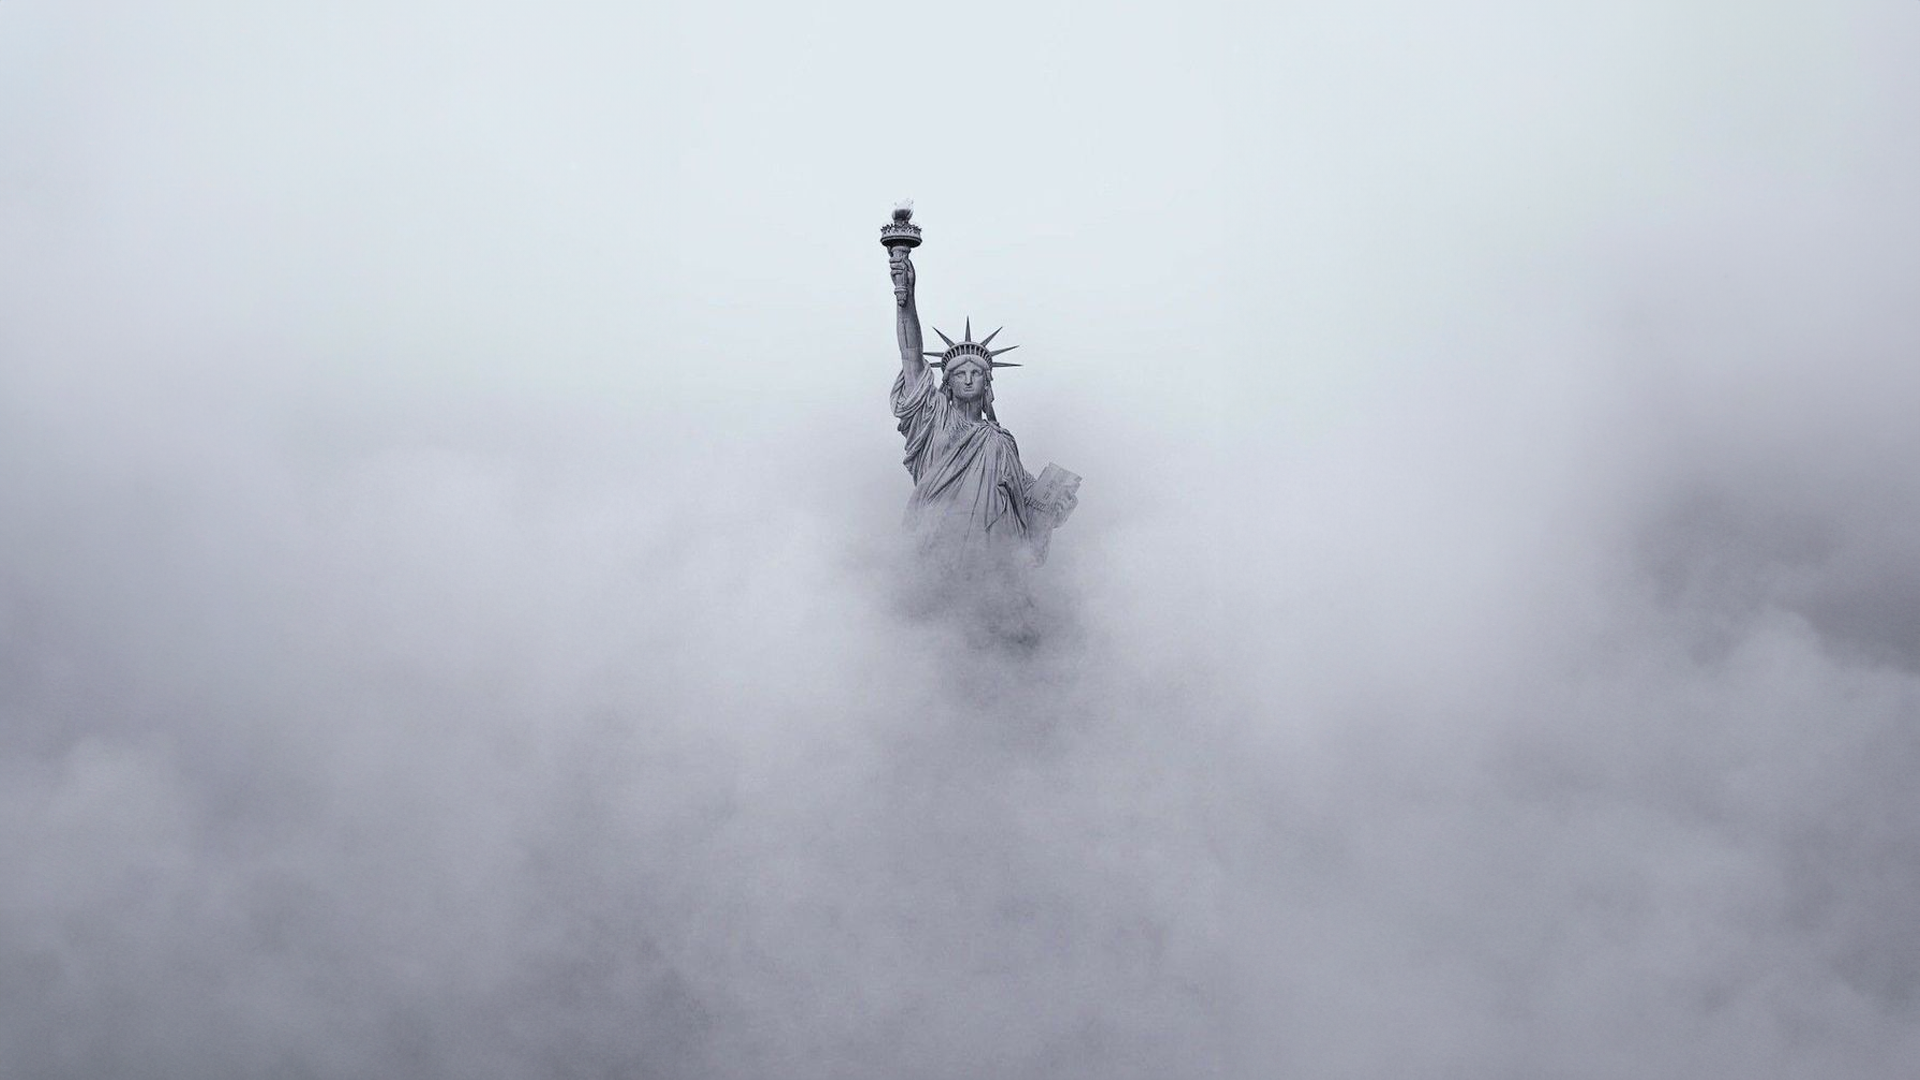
<point x="901" y="236"/>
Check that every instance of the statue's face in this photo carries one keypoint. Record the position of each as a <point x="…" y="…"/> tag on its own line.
<point x="968" y="382"/>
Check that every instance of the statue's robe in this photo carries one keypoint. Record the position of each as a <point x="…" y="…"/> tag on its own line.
<point x="969" y="503"/>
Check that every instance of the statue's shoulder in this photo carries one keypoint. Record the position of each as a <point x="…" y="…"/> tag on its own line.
<point x="912" y="396"/>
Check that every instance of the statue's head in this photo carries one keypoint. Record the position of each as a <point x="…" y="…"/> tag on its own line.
<point x="969" y="380"/>
<point x="969" y="366"/>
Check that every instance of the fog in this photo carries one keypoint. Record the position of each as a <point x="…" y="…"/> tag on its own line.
<point x="449" y="624"/>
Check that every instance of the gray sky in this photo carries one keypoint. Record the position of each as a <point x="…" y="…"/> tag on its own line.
<point x="445" y="627"/>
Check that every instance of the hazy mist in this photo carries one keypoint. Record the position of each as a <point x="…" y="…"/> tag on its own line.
<point x="448" y="624"/>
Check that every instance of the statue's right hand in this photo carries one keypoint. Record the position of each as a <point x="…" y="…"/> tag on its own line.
<point x="901" y="269"/>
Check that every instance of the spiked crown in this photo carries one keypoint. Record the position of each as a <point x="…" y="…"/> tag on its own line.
<point x="966" y="346"/>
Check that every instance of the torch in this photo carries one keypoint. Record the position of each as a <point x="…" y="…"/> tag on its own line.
<point x="899" y="237"/>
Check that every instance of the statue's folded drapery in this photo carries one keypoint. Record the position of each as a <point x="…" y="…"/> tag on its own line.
<point x="970" y="495"/>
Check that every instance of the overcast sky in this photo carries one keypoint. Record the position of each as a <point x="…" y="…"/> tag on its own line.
<point x="446" y="628"/>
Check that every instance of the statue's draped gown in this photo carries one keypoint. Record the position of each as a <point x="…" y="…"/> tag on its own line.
<point x="969" y="500"/>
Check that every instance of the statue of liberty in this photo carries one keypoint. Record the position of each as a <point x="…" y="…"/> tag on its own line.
<point x="974" y="508"/>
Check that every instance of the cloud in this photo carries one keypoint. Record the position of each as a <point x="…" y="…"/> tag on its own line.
<point x="448" y="624"/>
